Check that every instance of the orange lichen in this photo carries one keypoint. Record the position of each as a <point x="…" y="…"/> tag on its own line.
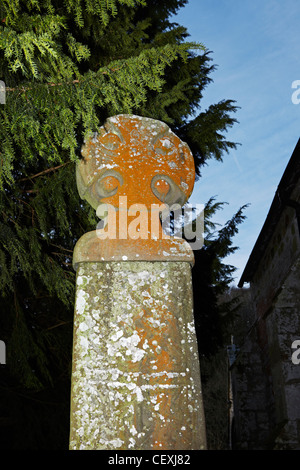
<point x="144" y="155"/>
<point x="133" y="165"/>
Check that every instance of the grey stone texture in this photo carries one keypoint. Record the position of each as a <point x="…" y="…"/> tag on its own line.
<point x="136" y="376"/>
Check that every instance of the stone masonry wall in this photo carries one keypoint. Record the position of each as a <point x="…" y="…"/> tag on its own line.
<point x="250" y="386"/>
<point x="265" y="380"/>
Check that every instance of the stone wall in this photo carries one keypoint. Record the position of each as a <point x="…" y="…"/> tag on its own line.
<point x="266" y="383"/>
<point x="250" y="385"/>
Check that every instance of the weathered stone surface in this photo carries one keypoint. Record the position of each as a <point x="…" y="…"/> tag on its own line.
<point x="90" y="248"/>
<point x="136" y="374"/>
<point x="136" y="377"/>
<point x="136" y="157"/>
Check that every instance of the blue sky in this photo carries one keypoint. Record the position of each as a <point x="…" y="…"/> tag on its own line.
<point x="256" y="47"/>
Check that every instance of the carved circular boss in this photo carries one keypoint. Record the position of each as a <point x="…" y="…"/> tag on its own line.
<point x="137" y="157"/>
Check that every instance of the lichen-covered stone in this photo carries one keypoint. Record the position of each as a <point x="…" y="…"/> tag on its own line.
<point x="136" y="377"/>
<point x="136" y="157"/>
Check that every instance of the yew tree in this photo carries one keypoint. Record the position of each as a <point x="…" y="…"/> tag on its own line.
<point x="67" y="65"/>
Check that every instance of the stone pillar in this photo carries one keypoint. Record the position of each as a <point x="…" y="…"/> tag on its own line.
<point x="136" y="375"/>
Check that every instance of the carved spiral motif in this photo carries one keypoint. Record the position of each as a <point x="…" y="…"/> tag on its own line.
<point x="137" y="157"/>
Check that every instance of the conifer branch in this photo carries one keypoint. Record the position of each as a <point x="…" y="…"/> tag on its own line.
<point x="41" y="173"/>
<point x="23" y="89"/>
<point x="61" y="247"/>
<point x="58" y="324"/>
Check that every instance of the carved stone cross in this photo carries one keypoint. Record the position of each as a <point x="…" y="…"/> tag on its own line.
<point x="136" y="374"/>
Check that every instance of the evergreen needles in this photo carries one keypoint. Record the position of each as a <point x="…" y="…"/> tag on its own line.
<point x="67" y="66"/>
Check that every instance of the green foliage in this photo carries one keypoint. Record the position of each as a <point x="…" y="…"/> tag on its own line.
<point x="67" y="66"/>
<point x="211" y="280"/>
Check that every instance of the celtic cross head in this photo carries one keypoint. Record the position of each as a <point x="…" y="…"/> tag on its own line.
<point x="138" y="158"/>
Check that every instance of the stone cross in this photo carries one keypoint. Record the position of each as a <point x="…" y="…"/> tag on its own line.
<point x="135" y="372"/>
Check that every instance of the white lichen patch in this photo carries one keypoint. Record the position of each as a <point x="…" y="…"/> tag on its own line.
<point x="126" y="320"/>
<point x="81" y="300"/>
<point x="120" y="345"/>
